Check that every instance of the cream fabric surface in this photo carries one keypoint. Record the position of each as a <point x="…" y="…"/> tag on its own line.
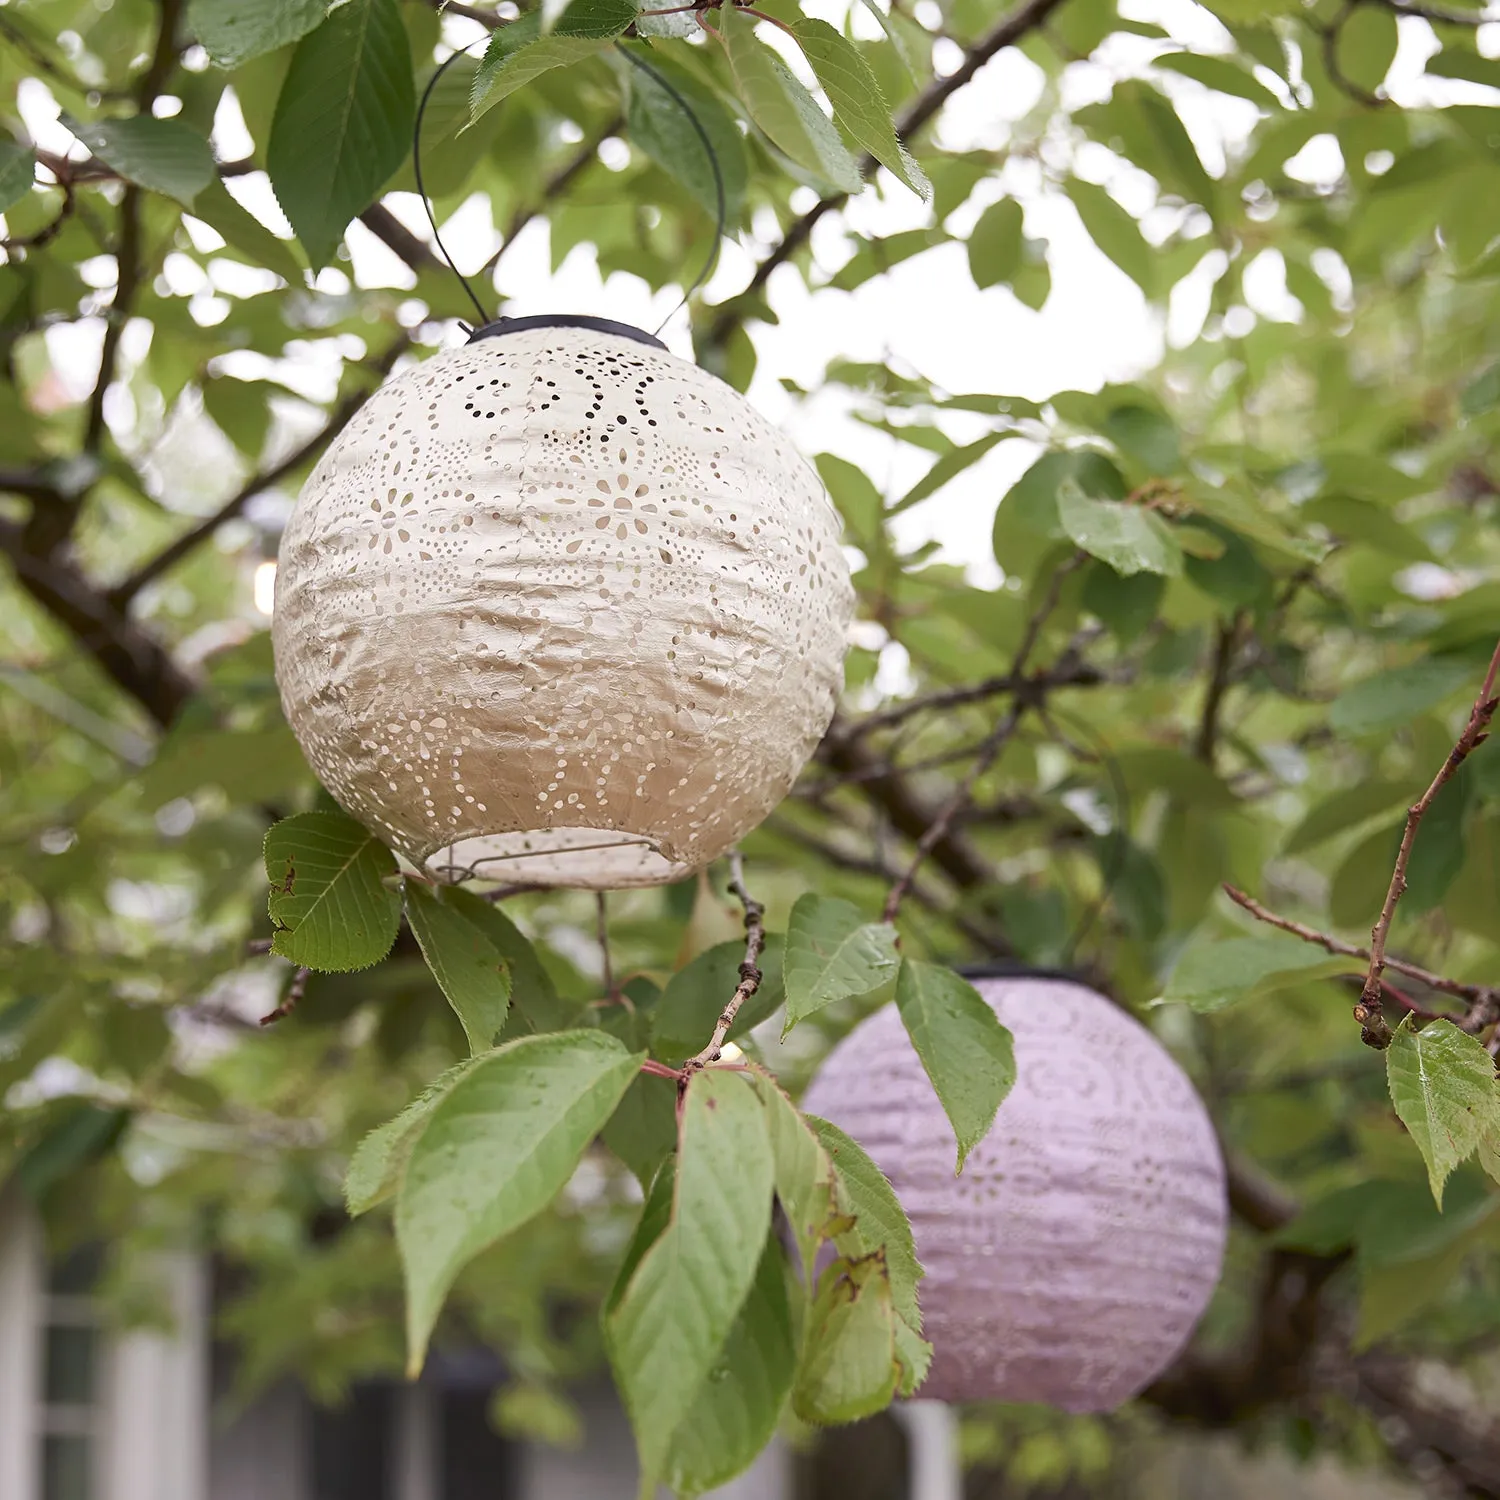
<point x="1072" y="1259"/>
<point x="559" y="606"/>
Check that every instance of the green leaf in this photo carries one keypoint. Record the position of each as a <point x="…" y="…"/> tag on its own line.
<point x="736" y="1410"/>
<point x="996" y="244"/>
<point x="642" y="1132"/>
<point x="164" y="156"/>
<point x="217" y="207"/>
<point x="343" y="121"/>
<point x="1391" y="699"/>
<point x="252" y="764"/>
<point x="966" y="1051"/>
<point x="379" y="1161"/>
<point x="582" y="31"/>
<point x="1365" y="45"/>
<point x="234" y="31"/>
<point x="468" y="967"/>
<point x="782" y="108"/>
<point x="897" y="41"/>
<point x="878" y="254"/>
<point x="849" y="1368"/>
<point x="1221" y="73"/>
<point x="1346" y="809"/>
<point x="855" y="495"/>
<point x="1146" y="435"/>
<point x="806" y="1185"/>
<point x="859" y="107"/>
<point x="880" y="1223"/>
<point x="658" y="124"/>
<point x="535" y="1005"/>
<point x="1125" y="605"/>
<point x="1212" y="972"/>
<point x="1442" y="1082"/>
<point x="683" y="1019"/>
<point x="588" y="18"/>
<point x="500" y="75"/>
<point x="949" y="466"/>
<point x="17" y="173"/>
<point x="496" y="1150"/>
<point x="241" y="410"/>
<point x="669" y="1323"/>
<point x="1114" y="230"/>
<point x="833" y="953"/>
<point x="330" y="902"/>
<point x="1129" y="539"/>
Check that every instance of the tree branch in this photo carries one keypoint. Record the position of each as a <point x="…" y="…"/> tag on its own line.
<point x="1218" y="683"/>
<point x="750" y="975"/>
<point x="1484" y="1000"/>
<point x="1372" y="1023"/>
<point x="994" y="743"/>
<point x="398" y="239"/>
<point x="174" y="552"/>
<point x="1025" y="18"/>
<point x="1064" y="674"/>
<point x="127" y="278"/>
<point x="126" y="653"/>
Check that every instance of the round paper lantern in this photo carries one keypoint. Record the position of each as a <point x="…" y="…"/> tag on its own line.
<point x="1071" y="1260"/>
<point x="557" y="606"/>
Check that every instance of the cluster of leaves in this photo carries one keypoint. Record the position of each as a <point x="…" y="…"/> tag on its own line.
<point x="710" y="1328"/>
<point x="1253" y="593"/>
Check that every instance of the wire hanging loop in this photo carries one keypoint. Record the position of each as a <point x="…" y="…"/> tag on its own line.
<point x="667" y="87"/>
<point x="416" y="168"/>
<point x="721" y="202"/>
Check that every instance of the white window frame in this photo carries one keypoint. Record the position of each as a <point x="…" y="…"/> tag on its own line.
<point x="151" y="1417"/>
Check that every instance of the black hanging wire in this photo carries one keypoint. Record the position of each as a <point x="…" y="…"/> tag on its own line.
<point x="721" y="215"/>
<point x="667" y="87"/>
<point x="416" y="168"/>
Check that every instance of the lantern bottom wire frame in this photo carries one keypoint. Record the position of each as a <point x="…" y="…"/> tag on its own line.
<point x="587" y="858"/>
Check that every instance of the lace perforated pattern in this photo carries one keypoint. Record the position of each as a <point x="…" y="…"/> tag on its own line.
<point x="1072" y="1259"/>
<point x="558" y="606"/>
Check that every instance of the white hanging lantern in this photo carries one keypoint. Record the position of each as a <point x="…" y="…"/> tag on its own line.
<point x="1072" y="1259"/>
<point x="557" y="606"/>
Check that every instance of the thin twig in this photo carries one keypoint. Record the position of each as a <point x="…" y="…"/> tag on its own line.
<point x="1079" y="674"/>
<point x="750" y="975"/>
<point x="1372" y="1024"/>
<point x="294" y="993"/>
<point x="127" y="278"/>
<point x="994" y="742"/>
<point x="1483" y="999"/>
<point x="602" y="930"/>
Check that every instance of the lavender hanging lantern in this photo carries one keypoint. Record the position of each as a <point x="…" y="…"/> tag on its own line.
<point x="1072" y="1259"/>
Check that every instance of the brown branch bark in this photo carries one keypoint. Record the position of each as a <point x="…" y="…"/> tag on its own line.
<point x="994" y="743"/>
<point x="1367" y="1012"/>
<point x="1484" y="1000"/>
<point x="126" y="653"/>
<point x="1074" y="674"/>
<point x="1218" y="684"/>
<point x="750" y="975"/>
<point x="919" y="112"/>
<point x="398" y="239"/>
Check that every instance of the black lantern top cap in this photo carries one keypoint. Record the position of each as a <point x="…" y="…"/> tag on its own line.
<point x="502" y="326"/>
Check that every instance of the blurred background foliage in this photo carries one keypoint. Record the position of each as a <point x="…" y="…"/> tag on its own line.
<point x="1261" y="586"/>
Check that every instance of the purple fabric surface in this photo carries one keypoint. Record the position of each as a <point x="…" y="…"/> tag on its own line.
<point x="1071" y="1261"/>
